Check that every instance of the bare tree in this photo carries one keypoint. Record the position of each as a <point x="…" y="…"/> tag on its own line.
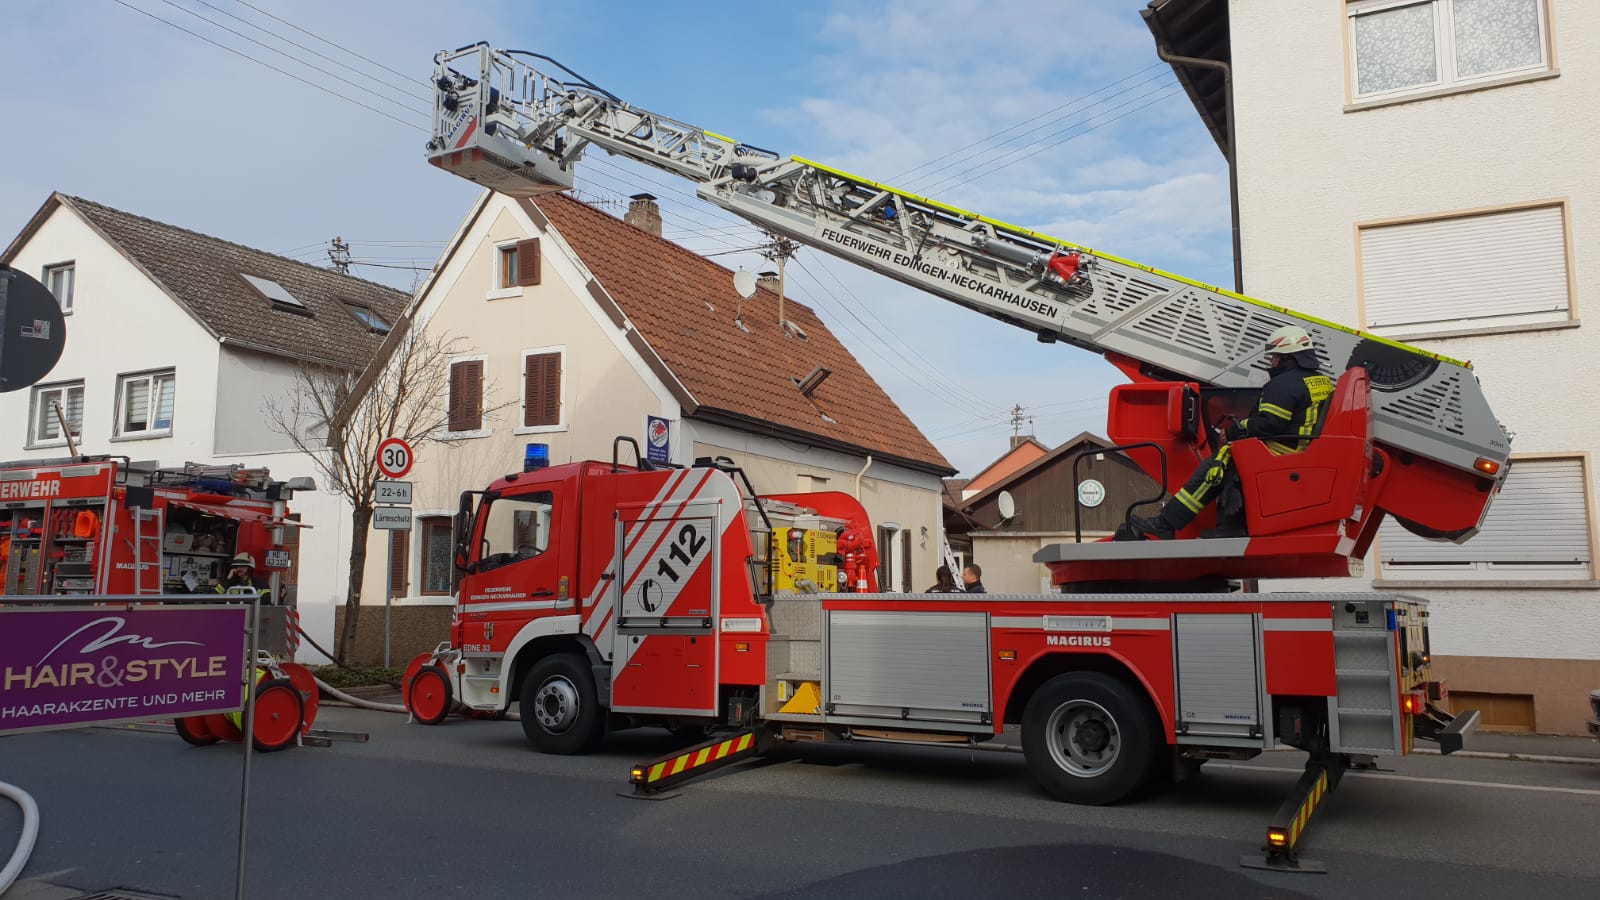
<point x="338" y="417"/>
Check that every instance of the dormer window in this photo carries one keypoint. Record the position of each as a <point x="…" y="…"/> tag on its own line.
<point x="366" y="316"/>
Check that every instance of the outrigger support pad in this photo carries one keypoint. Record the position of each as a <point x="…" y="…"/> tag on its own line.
<point x="652" y="779"/>
<point x="1280" y="852"/>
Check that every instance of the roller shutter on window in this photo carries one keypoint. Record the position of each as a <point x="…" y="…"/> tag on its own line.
<point x="1539" y="521"/>
<point x="1467" y="272"/>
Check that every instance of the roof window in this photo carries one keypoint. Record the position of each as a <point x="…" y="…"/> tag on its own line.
<point x="276" y="292"/>
<point x="366" y="316"/>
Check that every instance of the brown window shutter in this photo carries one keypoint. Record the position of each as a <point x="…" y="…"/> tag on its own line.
<point x="466" y="395"/>
<point x="905" y="564"/>
<point x="528" y="262"/>
<point x="541" y="389"/>
<point x="399" y="556"/>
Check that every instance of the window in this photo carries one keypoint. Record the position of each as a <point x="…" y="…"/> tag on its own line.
<point x="399" y="556"/>
<point x="277" y="293"/>
<point x="59" y="279"/>
<point x="1400" y="47"/>
<point x="1429" y="276"/>
<point x="541" y="389"/>
<point x="894" y="559"/>
<point x="519" y="264"/>
<point x="437" y="564"/>
<point x="46" y="425"/>
<point x="508" y="267"/>
<point x="466" y="395"/>
<point x="515" y="528"/>
<point x="367" y="317"/>
<point x="144" y="403"/>
<point x="1537" y="529"/>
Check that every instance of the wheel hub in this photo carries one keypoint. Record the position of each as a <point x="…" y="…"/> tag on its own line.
<point x="1083" y="738"/>
<point x="555" y="704"/>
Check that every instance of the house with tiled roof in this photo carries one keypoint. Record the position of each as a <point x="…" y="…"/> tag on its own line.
<point x="176" y="341"/>
<point x="582" y="327"/>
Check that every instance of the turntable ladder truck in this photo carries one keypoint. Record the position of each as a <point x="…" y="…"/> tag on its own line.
<point x="1149" y="662"/>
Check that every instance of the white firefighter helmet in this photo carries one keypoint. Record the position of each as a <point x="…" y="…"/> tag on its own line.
<point x="242" y="560"/>
<point x="1288" y="340"/>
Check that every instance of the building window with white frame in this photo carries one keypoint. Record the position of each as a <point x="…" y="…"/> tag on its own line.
<point x="144" y="403"/>
<point x="1538" y="529"/>
<point x="45" y="428"/>
<point x="1425" y="275"/>
<point x="59" y="279"/>
<point x="1400" y="47"/>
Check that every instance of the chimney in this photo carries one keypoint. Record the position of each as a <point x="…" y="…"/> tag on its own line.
<point x="644" y="214"/>
<point x="1017" y="440"/>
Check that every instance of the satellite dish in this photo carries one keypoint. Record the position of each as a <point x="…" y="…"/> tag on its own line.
<point x="32" y="330"/>
<point x="745" y="283"/>
<point x="1007" y="505"/>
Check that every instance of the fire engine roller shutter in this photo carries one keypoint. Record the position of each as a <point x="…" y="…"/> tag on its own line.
<point x="934" y="664"/>
<point x="1218" y="675"/>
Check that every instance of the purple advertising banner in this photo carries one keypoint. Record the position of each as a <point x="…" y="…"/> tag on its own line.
<point x="68" y="667"/>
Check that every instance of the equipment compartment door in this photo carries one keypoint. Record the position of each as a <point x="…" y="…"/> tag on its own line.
<point x="1218" y="675"/>
<point x="908" y="666"/>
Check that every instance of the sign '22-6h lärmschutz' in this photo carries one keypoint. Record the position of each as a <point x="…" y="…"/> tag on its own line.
<point x="69" y="667"/>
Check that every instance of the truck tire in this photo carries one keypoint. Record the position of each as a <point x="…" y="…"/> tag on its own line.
<point x="1089" y="738"/>
<point x="561" y="712"/>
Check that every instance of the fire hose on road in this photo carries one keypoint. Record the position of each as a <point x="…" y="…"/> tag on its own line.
<point x="30" y="833"/>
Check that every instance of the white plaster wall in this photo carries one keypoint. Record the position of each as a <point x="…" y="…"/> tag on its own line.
<point x="1309" y="172"/>
<point x="246" y="381"/>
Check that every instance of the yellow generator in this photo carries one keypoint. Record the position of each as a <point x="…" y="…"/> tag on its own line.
<point x="807" y="559"/>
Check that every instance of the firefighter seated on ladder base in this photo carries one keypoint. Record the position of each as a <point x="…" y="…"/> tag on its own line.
<point x="1287" y="418"/>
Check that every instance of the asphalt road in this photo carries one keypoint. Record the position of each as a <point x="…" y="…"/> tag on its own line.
<point x="466" y="809"/>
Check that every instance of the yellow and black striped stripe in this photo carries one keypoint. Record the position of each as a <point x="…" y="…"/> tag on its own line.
<point x="698" y="760"/>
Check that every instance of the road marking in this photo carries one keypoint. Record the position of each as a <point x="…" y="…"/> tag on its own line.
<point x="1387" y="776"/>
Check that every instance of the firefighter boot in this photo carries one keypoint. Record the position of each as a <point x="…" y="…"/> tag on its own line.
<point x="1139" y="528"/>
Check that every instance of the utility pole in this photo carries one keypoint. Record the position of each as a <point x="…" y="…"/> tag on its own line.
<point x="339" y="255"/>
<point x="1017" y="419"/>
<point x="778" y="250"/>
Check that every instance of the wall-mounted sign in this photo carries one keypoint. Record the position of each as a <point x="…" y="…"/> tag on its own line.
<point x="657" y="439"/>
<point x="1091" y="493"/>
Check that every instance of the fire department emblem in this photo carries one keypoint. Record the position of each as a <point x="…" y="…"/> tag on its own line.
<point x="488" y="631"/>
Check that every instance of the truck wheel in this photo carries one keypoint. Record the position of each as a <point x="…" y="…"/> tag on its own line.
<point x="1089" y="738"/>
<point x="561" y="711"/>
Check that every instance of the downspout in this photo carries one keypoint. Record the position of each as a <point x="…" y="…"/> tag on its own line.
<point x="1232" y="152"/>
<point x="861" y="473"/>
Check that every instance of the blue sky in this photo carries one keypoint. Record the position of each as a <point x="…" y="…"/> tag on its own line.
<point x="1102" y="149"/>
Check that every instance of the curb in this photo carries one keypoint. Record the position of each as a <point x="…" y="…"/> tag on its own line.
<point x="1514" y="757"/>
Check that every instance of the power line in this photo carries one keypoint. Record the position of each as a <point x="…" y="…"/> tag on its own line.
<point x="330" y="43"/>
<point x="316" y="53"/>
<point x="268" y="65"/>
<point x="289" y="56"/>
<point x="969" y="157"/>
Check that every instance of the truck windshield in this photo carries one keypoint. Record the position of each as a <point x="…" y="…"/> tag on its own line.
<point x="515" y="528"/>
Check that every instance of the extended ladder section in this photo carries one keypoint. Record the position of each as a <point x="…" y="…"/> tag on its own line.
<point x="519" y="129"/>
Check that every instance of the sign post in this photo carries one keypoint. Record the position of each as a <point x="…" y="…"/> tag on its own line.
<point x="393" y="514"/>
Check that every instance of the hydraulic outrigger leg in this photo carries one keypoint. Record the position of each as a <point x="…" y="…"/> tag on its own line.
<point x="1289" y="824"/>
<point x="652" y="779"/>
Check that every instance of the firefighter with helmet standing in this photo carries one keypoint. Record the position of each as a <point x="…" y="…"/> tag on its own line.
<point x="1287" y="417"/>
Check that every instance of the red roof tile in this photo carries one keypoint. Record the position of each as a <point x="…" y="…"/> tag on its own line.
<point x="684" y="306"/>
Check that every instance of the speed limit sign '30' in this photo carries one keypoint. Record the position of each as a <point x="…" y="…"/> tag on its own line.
<point x="394" y="458"/>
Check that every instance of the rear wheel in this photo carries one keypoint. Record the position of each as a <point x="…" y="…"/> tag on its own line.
<point x="1089" y="738"/>
<point x="561" y="710"/>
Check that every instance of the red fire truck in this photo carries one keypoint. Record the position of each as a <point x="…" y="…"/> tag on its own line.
<point x="602" y="595"/>
<point x="101" y="525"/>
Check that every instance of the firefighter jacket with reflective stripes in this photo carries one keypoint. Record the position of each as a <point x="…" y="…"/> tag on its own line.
<point x="1290" y="412"/>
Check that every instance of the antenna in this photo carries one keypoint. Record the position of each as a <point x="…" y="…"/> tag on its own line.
<point x="745" y="284"/>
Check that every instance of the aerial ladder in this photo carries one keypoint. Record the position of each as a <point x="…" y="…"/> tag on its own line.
<point x="1409" y="433"/>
